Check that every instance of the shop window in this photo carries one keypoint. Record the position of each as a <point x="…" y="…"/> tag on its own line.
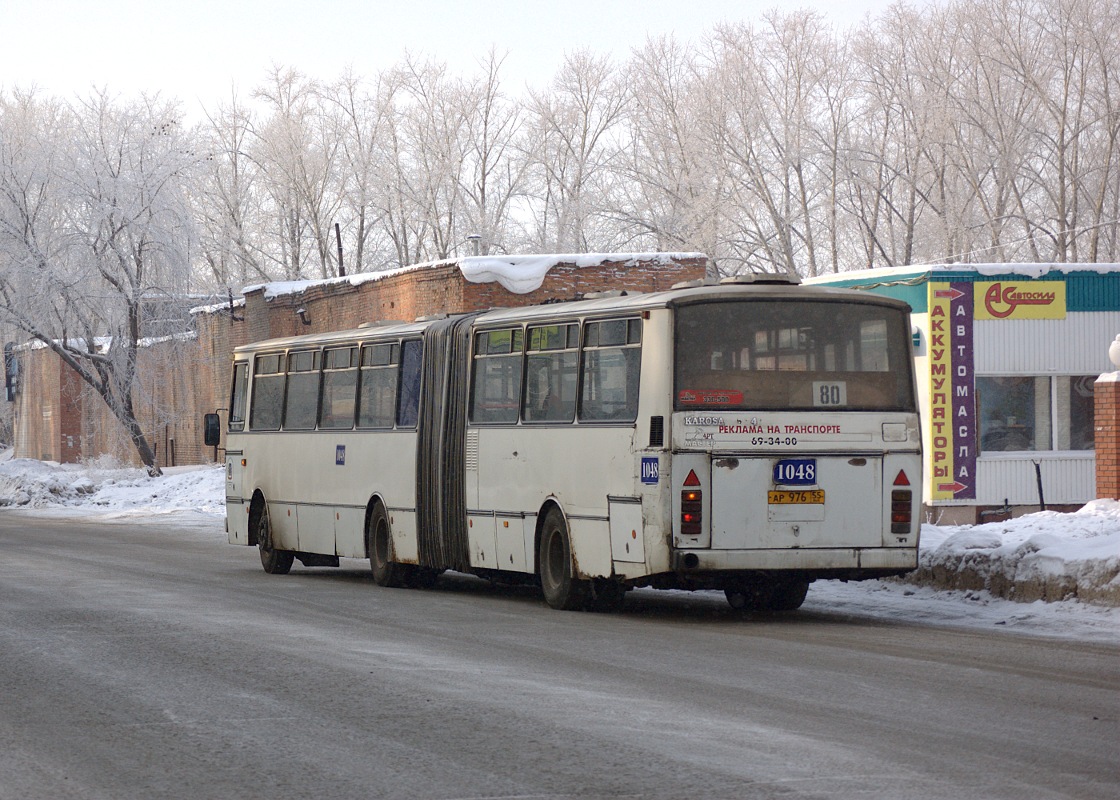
<point x="1075" y="404"/>
<point x="1030" y="413"/>
<point x="1011" y="416"/>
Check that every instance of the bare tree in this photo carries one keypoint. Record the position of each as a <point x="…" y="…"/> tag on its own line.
<point x="362" y="121"/>
<point x="95" y="216"/>
<point x="670" y="186"/>
<point x="571" y="147"/>
<point x="493" y="176"/>
<point x="296" y="147"/>
<point x="228" y="199"/>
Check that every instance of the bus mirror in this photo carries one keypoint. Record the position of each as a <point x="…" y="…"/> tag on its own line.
<point x="212" y="430"/>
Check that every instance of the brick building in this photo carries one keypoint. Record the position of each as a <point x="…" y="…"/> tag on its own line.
<point x="57" y="417"/>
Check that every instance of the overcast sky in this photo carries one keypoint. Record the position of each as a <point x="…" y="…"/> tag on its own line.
<point x="197" y="50"/>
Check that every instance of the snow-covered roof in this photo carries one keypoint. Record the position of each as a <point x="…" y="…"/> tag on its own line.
<point x="519" y="274"/>
<point x="1029" y="270"/>
<point x="238" y="302"/>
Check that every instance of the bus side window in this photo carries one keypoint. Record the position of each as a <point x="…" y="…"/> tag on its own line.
<point x="411" y="362"/>
<point x="237" y="396"/>
<point x="340" y="382"/>
<point x="301" y="402"/>
<point x="551" y="366"/>
<point x="377" y="400"/>
<point x="612" y="357"/>
<point x="496" y="378"/>
<point x="267" y="406"/>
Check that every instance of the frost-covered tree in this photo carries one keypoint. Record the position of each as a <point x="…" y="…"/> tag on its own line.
<point x="228" y="198"/>
<point x="572" y="143"/>
<point x="670" y="193"/>
<point x="94" y="217"/>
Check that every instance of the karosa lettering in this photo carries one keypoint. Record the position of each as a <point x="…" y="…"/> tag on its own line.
<point x="1001" y="300"/>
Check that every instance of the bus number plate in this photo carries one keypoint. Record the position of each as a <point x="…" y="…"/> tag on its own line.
<point x="795" y="472"/>
<point x="781" y="497"/>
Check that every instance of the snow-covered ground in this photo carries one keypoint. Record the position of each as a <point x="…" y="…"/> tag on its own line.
<point x="1053" y="555"/>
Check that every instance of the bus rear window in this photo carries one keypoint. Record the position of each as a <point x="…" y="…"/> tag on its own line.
<point x="792" y="355"/>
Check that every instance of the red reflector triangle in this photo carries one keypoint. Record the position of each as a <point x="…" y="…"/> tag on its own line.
<point x="692" y="480"/>
<point x="901" y="480"/>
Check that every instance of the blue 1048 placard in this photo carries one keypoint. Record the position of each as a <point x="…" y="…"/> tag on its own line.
<point x="796" y="472"/>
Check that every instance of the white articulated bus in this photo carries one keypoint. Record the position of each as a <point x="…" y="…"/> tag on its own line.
<point x="751" y="436"/>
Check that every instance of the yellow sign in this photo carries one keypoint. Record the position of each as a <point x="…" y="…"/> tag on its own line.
<point x="795" y="496"/>
<point x="1023" y="299"/>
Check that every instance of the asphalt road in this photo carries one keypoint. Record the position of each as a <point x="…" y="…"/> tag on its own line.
<point x="138" y="661"/>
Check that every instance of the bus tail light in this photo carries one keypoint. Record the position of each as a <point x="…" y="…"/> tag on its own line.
<point x="692" y="505"/>
<point x="901" y="503"/>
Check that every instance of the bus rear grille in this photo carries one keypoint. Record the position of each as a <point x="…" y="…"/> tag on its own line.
<point x="657" y="431"/>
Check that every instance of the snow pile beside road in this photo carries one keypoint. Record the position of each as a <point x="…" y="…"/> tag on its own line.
<point x="114" y="490"/>
<point x="1045" y="556"/>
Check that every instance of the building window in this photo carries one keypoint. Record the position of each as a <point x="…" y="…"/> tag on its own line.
<point x="1075" y="404"/>
<point x="1031" y="413"/>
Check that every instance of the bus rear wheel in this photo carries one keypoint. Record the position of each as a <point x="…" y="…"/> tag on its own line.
<point x="774" y="594"/>
<point x="788" y="595"/>
<point x="561" y="590"/>
<point x="379" y="544"/>
<point x="274" y="561"/>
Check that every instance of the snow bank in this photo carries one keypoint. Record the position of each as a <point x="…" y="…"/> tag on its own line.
<point x="120" y="491"/>
<point x="1045" y="556"/>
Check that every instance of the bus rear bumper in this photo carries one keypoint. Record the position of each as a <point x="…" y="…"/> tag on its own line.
<point x="819" y="562"/>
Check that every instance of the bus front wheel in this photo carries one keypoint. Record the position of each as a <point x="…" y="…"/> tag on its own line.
<point x="274" y="561"/>
<point x="561" y="590"/>
<point x="379" y="542"/>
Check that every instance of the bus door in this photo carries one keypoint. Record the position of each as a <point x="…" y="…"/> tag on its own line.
<point x="237" y="521"/>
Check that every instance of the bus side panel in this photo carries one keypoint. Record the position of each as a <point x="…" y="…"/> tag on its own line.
<point x="509" y="543"/>
<point x="520" y="468"/>
<point x="237" y="521"/>
<point x="284" y="519"/>
<point x="627" y="530"/>
<point x="406" y="544"/>
<point x="591" y="547"/>
<point x="480" y="539"/>
<point x="350" y="531"/>
<point x="382" y="465"/>
<point x="316" y="529"/>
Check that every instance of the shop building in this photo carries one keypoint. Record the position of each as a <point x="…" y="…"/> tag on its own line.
<point x="1006" y="357"/>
